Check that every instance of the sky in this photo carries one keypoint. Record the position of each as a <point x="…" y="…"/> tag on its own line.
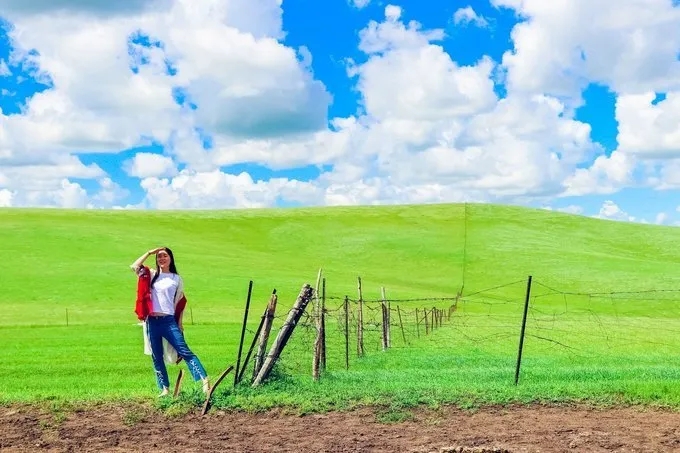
<point x="569" y="105"/>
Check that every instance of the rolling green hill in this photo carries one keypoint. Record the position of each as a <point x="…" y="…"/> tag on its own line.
<point x="56" y="259"/>
<point x="64" y="263"/>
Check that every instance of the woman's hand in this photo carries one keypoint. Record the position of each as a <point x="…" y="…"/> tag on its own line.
<point x="154" y="251"/>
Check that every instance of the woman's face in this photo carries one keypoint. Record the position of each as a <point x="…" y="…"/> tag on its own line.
<point x="163" y="258"/>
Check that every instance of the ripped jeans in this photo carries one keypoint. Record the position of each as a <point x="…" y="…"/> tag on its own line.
<point x="166" y="327"/>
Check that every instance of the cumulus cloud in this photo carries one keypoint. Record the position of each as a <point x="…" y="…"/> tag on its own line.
<point x="360" y="3"/>
<point x="467" y="16"/>
<point x="114" y="79"/>
<point x="611" y="211"/>
<point x="629" y="45"/>
<point x="4" y="69"/>
<point x="14" y="8"/>
<point x="149" y="165"/>
<point x="427" y="129"/>
<point x="648" y="124"/>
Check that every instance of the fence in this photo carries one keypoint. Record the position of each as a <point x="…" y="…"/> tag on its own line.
<point x="528" y="325"/>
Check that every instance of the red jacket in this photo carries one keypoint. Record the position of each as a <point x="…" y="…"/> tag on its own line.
<point x="143" y="303"/>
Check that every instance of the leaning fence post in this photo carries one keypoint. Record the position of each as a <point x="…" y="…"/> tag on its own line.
<point x="285" y="333"/>
<point x="521" y="336"/>
<point x="403" y="334"/>
<point x="264" y="334"/>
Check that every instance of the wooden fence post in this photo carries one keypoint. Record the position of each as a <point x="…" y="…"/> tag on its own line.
<point x="264" y="333"/>
<point x="284" y="334"/>
<point x="427" y="330"/>
<point x="386" y="320"/>
<point x="417" y="324"/>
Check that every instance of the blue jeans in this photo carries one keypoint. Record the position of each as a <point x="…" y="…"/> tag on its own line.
<point x="166" y="327"/>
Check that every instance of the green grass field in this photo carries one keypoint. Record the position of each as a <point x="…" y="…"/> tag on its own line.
<point x="602" y="326"/>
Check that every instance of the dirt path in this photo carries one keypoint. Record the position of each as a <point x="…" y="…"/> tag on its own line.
<point x="516" y="429"/>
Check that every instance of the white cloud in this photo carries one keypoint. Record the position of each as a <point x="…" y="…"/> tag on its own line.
<point x="649" y="130"/>
<point x="629" y="45"/>
<point x="431" y="121"/>
<point x="571" y="209"/>
<point x="428" y="128"/>
<point x="612" y="211"/>
<point x="14" y="8"/>
<point x="661" y="218"/>
<point x="148" y="165"/>
<point x="247" y="87"/>
<point x="216" y="189"/>
<point x="468" y="15"/>
<point x="4" y="69"/>
<point x="6" y="198"/>
<point x="606" y="175"/>
<point x="432" y="130"/>
<point x="360" y="3"/>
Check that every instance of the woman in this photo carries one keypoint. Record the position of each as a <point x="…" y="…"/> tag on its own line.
<point x="166" y="290"/>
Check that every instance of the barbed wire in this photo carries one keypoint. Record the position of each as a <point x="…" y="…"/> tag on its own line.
<point x="583" y="326"/>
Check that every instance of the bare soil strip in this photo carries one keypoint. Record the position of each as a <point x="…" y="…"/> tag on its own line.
<point x="495" y="429"/>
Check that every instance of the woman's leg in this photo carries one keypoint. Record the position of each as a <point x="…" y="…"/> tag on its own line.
<point x="176" y="339"/>
<point x="156" y="331"/>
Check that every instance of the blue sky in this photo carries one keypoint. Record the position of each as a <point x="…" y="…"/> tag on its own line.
<point x="287" y="109"/>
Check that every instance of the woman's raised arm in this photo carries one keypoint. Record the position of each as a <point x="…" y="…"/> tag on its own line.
<point x="139" y="261"/>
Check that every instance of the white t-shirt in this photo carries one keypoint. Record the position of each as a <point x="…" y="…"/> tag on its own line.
<point x="164" y="292"/>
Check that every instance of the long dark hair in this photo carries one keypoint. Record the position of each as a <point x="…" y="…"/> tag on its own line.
<point x="172" y="269"/>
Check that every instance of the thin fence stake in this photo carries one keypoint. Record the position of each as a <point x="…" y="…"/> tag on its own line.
<point x="360" y="324"/>
<point x="403" y="334"/>
<point x="67" y="317"/>
<point x="252" y="345"/>
<point x="243" y="333"/>
<point x="346" y="332"/>
<point x="323" y="324"/>
<point x="521" y="336"/>
<point x="316" y="358"/>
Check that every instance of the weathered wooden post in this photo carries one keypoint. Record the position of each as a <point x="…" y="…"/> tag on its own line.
<point x="417" y="324"/>
<point x="264" y="333"/>
<point x="427" y="327"/>
<point x="388" y="343"/>
<point x="286" y="331"/>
